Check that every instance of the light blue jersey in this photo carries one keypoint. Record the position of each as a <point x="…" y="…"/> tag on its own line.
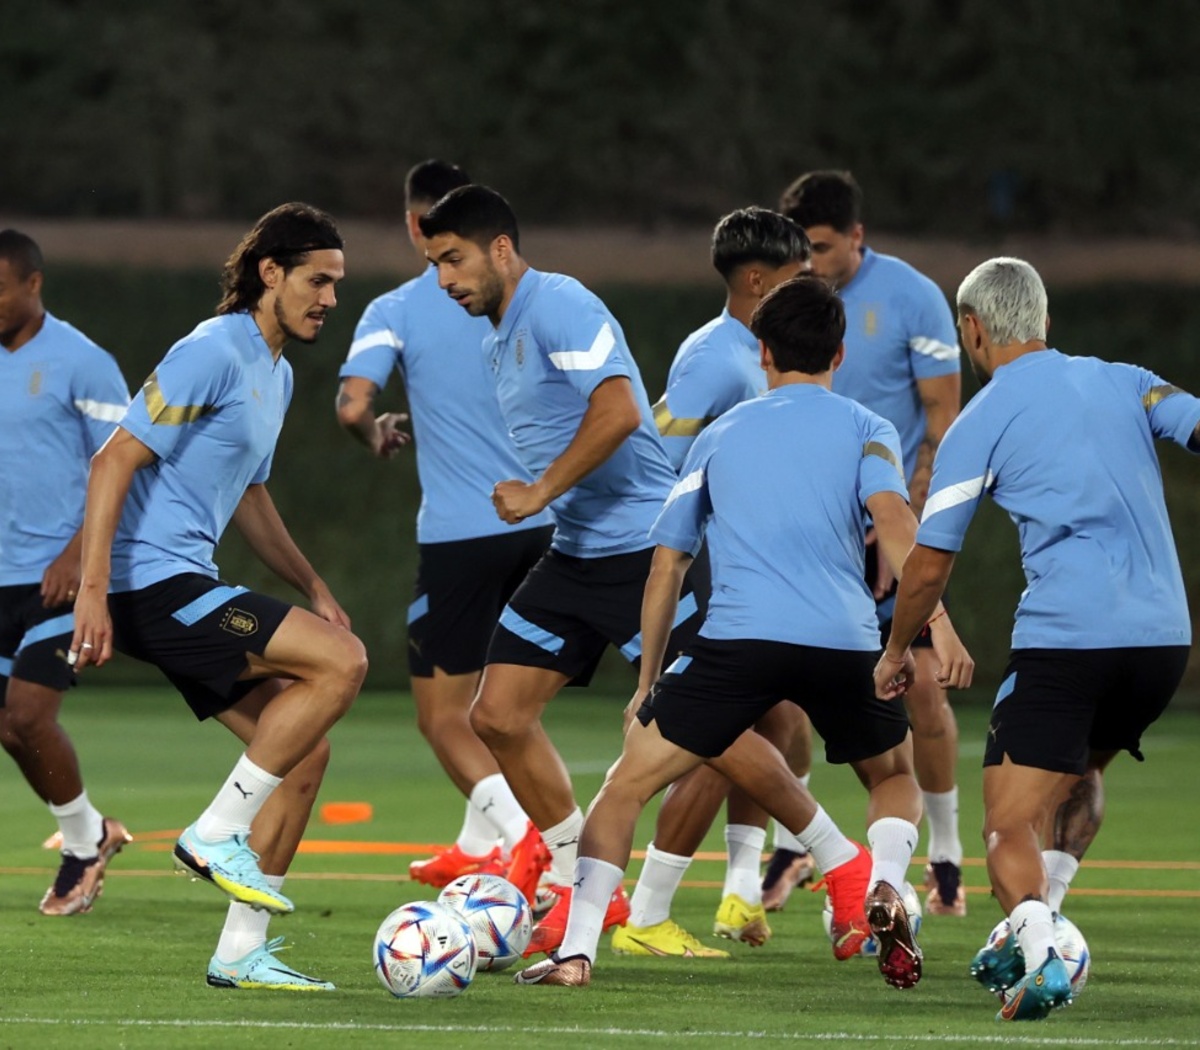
<point x="462" y="445"/>
<point x="1066" y="446"/>
<point x="778" y="486"/>
<point x="556" y="343"/>
<point x="716" y="367"/>
<point x="211" y="411"/>
<point x="60" y="397"/>
<point x="899" y="329"/>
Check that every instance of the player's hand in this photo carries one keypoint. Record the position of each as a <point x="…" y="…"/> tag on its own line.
<point x="956" y="666"/>
<point x="632" y="708"/>
<point x="60" y="581"/>
<point x="391" y="438"/>
<point x="892" y="676"/>
<point x="92" y="641"/>
<point x="326" y="606"/>
<point x="517" y="500"/>
<point x="881" y="586"/>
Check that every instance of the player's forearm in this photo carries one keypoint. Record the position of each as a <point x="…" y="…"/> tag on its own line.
<point x="612" y="415"/>
<point x="919" y="598"/>
<point x="108" y="486"/>
<point x="356" y="414"/>
<point x="258" y="520"/>
<point x="660" y="602"/>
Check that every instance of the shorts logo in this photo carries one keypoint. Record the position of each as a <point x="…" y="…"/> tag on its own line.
<point x="238" y="622"/>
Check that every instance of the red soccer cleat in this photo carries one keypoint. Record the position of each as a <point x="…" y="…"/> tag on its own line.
<point x="847" y="886"/>
<point x="448" y="864"/>
<point x="548" y="934"/>
<point x="530" y="858"/>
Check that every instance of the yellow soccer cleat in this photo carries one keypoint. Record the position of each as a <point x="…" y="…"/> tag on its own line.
<point x="741" y="921"/>
<point x="666" y="938"/>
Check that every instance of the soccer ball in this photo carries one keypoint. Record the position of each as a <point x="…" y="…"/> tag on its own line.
<point x="912" y="905"/>
<point x="1072" y="948"/>
<point x="424" y="950"/>
<point x="497" y="913"/>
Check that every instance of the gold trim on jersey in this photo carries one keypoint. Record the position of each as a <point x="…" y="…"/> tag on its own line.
<point x="1158" y="393"/>
<point x="669" y="426"/>
<point x="162" y="414"/>
<point x="878" y="448"/>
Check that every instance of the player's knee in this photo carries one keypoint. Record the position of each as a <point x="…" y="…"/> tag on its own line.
<point x="19" y="722"/>
<point x="346" y="666"/>
<point x="494" y="724"/>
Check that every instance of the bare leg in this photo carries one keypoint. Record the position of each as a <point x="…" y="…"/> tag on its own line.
<point x="443" y="717"/>
<point x="1080" y="809"/>
<point x="31" y="734"/>
<point x="935" y="731"/>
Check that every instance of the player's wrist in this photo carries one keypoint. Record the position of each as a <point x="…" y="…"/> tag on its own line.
<point x="891" y="657"/>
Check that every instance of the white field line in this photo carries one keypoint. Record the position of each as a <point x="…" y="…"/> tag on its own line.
<point x="1007" y="1039"/>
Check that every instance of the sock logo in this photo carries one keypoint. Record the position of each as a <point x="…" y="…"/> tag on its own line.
<point x="245" y="794"/>
<point x="490" y="803"/>
<point x="565" y="842"/>
<point x="578" y="883"/>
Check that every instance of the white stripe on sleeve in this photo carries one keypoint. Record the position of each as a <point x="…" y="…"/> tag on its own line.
<point x="369" y="342"/>
<point x="953" y="495"/>
<point x="587" y="360"/>
<point x="105" y="411"/>
<point x="685" y="485"/>
<point x="934" y="348"/>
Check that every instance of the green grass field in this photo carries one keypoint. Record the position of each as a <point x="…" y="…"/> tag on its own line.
<point x="131" y="973"/>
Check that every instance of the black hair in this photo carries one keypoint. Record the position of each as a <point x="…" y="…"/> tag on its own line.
<point x="824" y="198"/>
<point x="22" y="252"/>
<point x="286" y="234"/>
<point x="802" y="322"/>
<point x="474" y="213"/>
<point x="429" y="181"/>
<point x="760" y="235"/>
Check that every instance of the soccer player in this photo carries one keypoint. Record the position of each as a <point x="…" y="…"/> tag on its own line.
<point x="718" y="366"/>
<point x="902" y="362"/>
<point x="1066" y="446"/>
<point x="192" y="454"/>
<point x="60" y="395"/>
<point x="470" y="561"/>
<point x="572" y="398"/>
<point x="790" y="617"/>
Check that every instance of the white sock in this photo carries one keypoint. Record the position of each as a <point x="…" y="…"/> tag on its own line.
<point x="562" y="841"/>
<point x="1033" y="923"/>
<point x="784" y="839"/>
<point x="237" y="803"/>
<point x="941" y="814"/>
<point x="1060" y="868"/>
<point x="825" y="841"/>
<point x="592" y="888"/>
<point x="655" y="890"/>
<point x="476" y="837"/>
<point x="82" y="826"/>
<point x="245" y="928"/>
<point x="743" y="870"/>
<point x="494" y="799"/>
<point x="892" y="843"/>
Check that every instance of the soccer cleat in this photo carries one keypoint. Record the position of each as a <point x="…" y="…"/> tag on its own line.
<point x="666" y="938"/>
<point x="899" y="953"/>
<point x="448" y="864"/>
<point x="1000" y="963"/>
<point x="260" y="969"/>
<point x="1036" y="994"/>
<point x="847" y="888"/>
<point x="548" y="934"/>
<point x="943" y="880"/>
<point x="81" y="880"/>
<point x="741" y="921"/>
<point x="232" y="867"/>
<point x="575" y="972"/>
<point x="785" y="872"/>
<point x="530" y="858"/>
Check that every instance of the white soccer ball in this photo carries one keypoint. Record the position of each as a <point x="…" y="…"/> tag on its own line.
<point x="424" y="950"/>
<point x="1071" y="944"/>
<point x="912" y="905"/>
<point x="497" y="913"/>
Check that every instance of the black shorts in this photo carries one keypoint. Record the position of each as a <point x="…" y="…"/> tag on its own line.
<point x="197" y="631"/>
<point x="461" y="588"/>
<point x="568" y="609"/>
<point x="886" y="606"/>
<point x="705" y="700"/>
<point x="34" y="640"/>
<point x="1057" y="705"/>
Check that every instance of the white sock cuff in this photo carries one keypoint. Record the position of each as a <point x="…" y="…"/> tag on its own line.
<point x="77" y="806"/>
<point x="564" y="830"/>
<point x="746" y="834"/>
<point x="247" y="767"/>
<point x="485" y="787"/>
<point x="1060" y="865"/>
<point x="667" y="860"/>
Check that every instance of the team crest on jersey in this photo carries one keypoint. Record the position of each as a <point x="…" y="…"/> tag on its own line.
<point x="871" y="322"/>
<point x="239" y="622"/>
<point x="35" y="382"/>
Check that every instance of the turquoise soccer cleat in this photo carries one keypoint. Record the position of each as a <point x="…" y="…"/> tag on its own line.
<point x="1036" y="994"/>
<point x="232" y="867"/>
<point x="260" y="969"/>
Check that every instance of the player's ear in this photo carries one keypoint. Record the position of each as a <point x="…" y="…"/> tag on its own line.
<point x="838" y="357"/>
<point x="269" y="271"/>
<point x="766" y="359"/>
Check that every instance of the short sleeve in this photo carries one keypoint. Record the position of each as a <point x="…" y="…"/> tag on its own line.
<point x="1173" y="413"/>
<point x="932" y="338"/>
<point x="100" y="396"/>
<point x="188" y="384"/>
<point x="582" y="342"/>
<point x="684" y="516"/>
<point x="376" y="349"/>
<point x="961" y="475"/>
<point x="881" y="468"/>
<point x="706" y="385"/>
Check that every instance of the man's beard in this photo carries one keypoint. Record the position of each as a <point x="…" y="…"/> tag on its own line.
<point x="288" y="330"/>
